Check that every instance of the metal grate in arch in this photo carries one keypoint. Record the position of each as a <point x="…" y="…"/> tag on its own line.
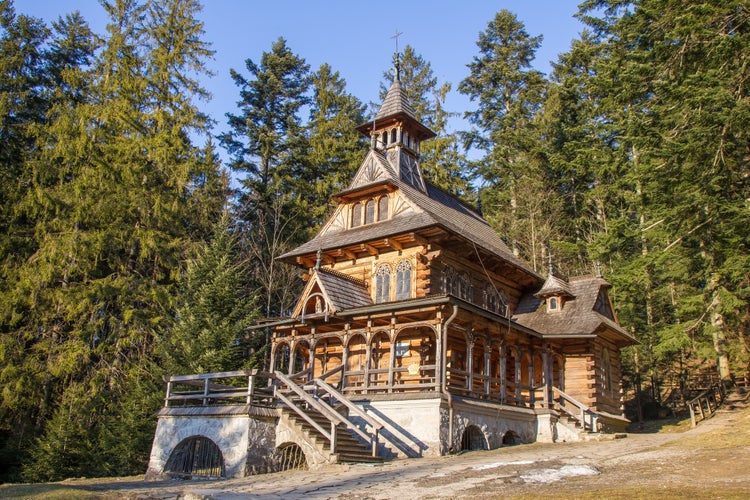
<point x="196" y="456"/>
<point x="291" y="457"/>
<point x="473" y="439"/>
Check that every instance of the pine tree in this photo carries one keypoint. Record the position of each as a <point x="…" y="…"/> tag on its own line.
<point x="268" y="147"/>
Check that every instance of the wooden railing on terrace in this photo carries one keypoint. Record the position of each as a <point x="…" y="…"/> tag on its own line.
<point x="224" y="388"/>
<point x="255" y="387"/>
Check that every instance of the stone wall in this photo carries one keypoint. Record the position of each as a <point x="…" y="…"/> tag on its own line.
<point x="246" y="443"/>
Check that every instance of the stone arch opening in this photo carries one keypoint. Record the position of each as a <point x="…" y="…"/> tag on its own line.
<point x="196" y="457"/>
<point x="291" y="457"/>
<point x="510" y="438"/>
<point x="473" y="439"/>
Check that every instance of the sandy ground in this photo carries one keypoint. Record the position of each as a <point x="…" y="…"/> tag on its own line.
<point x="710" y="461"/>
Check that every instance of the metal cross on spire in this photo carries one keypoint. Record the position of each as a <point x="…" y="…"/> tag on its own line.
<point x="396" y="61"/>
<point x="395" y="37"/>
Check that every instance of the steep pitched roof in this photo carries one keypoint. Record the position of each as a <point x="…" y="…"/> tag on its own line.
<point x="579" y="316"/>
<point x="395" y="102"/>
<point x="554" y="286"/>
<point x="423" y="209"/>
<point x="339" y="291"/>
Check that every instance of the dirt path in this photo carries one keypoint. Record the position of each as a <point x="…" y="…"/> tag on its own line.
<point x="711" y="461"/>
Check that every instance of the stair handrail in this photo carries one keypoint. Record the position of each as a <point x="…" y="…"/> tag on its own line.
<point x="376" y="426"/>
<point x="583" y="410"/>
<point x="301" y="413"/>
<point x="332" y="415"/>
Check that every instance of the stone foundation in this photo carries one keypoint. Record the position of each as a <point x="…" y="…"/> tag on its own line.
<point x="247" y="443"/>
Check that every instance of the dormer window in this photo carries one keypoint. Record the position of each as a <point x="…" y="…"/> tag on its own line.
<point x="369" y="211"/>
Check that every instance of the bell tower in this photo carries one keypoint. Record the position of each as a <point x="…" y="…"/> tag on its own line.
<point x="396" y="133"/>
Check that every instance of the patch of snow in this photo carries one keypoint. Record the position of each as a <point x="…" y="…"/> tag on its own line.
<point x="552" y="475"/>
<point x="501" y="464"/>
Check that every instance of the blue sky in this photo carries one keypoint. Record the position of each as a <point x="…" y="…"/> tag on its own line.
<point x="354" y="37"/>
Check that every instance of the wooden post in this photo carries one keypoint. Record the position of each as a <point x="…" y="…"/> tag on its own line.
<point x="391" y="361"/>
<point x="532" y="392"/>
<point x="469" y="384"/>
<point x="440" y="362"/>
<point x="344" y="361"/>
<point x="518" y="377"/>
<point x="205" y="392"/>
<point x="250" y="384"/>
<point x="368" y="362"/>
<point x="334" y="440"/>
<point x="503" y="374"/>
<point x="169" y="393"/>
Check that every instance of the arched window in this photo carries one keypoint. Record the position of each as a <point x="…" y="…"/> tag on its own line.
<point x="403" y="280"/>
<point x="384" y="139"/>
<point x="356" y="214"/>
<point x="464" y="286"/>
<point x="370" y="212"/>
<point x="394" y="133"/>
<point x="383" y="284"/>
<point x="553" y="303"/>
<point x="448" y="280"/>
<point x="383" y="208"/>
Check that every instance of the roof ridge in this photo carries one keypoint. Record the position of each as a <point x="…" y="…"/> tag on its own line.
<point x="339" y="274"/>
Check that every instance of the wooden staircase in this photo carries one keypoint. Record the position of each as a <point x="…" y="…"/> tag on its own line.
<point x="334" y="425"/>
<point x="348" y="447"/>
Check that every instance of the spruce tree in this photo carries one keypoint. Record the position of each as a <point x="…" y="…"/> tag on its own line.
<point x="518" y="199"/>
<point x="335" y="146"/>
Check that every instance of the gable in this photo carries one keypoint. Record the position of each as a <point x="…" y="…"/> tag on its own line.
<point x="372" y="170"/>
<point x="328" y="292"/>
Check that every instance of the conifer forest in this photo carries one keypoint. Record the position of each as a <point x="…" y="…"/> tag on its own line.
<point x="129" y="249"/>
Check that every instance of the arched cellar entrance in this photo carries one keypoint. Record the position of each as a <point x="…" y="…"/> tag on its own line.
<point x="473" y="439"/>
<point x="291" y="457"/>
<point x="196" y="456"/>
<point x="510" y="438"/>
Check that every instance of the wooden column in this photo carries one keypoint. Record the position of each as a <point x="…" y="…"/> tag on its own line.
<point x="503" y="374"/>
<point x="518" y="376"/>
<point x="470" y="364"/>
<point x="532" y="396"/>
<point x="368" y="361"/>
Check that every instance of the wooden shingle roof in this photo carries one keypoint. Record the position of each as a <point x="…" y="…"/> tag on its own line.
<point x="431" y="208"/>
<point x="579" y="316"/>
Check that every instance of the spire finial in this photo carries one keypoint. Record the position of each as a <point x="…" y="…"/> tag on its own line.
<point x="549" y="261"/>
<point x="317" y="261"/>
<point x="396" y="61"/>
